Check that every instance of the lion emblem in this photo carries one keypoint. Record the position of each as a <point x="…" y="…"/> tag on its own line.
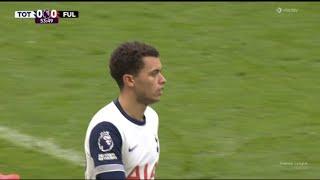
<point x="105" y="142"/>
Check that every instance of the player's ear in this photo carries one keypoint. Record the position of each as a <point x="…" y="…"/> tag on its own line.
<point x="128" y="80"/>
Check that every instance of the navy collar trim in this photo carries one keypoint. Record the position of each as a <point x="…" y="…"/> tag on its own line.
<point x="133" y="120"/>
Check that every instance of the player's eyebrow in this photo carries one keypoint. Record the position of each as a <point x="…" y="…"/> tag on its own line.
<point x="156" y="70"/>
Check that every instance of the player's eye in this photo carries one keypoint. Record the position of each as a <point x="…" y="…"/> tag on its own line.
<point x="155" y="72"/>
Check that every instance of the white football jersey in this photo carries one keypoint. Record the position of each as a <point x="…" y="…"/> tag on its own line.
<point x="117" y="142"/>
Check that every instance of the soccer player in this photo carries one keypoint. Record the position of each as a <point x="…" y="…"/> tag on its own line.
<point x="122" y="137"/>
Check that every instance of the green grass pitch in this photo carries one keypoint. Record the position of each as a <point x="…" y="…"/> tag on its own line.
<point x="241" y="99"/>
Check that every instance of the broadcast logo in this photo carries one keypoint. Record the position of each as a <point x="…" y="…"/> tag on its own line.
<point x="46" y="16"/>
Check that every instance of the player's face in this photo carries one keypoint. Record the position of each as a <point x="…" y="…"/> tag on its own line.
<point x="149" y="83"/>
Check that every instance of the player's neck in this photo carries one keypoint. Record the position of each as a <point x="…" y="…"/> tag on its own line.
<point x="133" y="108"/>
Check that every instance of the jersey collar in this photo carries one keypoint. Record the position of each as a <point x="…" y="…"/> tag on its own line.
<point x="133" y="120"/>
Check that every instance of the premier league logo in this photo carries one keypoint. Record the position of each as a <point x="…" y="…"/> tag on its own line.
<point x="105" y="142"/>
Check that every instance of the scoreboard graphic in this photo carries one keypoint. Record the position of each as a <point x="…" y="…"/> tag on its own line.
<point x="46" y="16"/>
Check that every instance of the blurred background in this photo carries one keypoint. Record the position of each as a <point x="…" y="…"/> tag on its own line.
<point x="241" y="99"/>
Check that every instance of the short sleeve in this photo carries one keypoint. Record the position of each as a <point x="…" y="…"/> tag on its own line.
<point x="105" y="145"/>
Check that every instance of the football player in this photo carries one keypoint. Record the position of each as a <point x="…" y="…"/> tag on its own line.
<point x="122" y="137"/>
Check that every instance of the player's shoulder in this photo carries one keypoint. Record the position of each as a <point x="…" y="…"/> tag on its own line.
<point x="105" y="114"/>
<point x="150" y="111"/>
<point x="103" y="120"/>
<point x="152" y="116"/>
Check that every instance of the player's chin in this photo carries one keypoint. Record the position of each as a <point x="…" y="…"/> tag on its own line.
<point x="156" y="98"/>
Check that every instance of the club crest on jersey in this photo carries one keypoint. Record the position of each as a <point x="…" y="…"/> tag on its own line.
<point x="105" y="142"/>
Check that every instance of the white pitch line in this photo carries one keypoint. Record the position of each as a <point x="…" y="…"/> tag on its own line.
<point x="40" y="145"/>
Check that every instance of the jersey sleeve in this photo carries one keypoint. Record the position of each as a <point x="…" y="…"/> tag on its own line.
<point x="105" y="149"/>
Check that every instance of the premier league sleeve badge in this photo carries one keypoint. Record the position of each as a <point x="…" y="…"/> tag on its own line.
<point x="105" y="142"/>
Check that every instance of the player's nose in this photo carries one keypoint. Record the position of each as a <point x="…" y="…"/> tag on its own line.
<point x="163" y="80"/>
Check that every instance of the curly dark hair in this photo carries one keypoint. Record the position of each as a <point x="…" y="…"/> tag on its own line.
<point x="127" y="59"/>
